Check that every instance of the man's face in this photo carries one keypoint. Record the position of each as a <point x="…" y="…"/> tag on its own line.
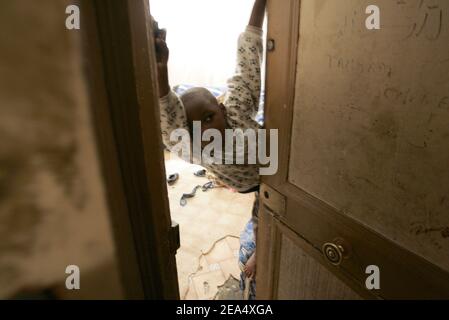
<point x="205" y="108"/>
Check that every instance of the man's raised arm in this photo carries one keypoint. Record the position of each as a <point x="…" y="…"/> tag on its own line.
<point x="162" y="54"/>
<point x="172" y="111"/>
<point x="242" y="97"/>
<point x="258" y="14"/>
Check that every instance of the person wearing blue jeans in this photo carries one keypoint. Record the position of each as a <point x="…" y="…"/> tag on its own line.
<point x="247" y="253"/>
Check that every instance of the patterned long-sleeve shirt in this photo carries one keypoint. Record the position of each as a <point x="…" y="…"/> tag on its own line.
<point x="241" y="102"/>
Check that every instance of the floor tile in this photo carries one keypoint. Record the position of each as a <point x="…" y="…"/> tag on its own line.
<point x="220" y="252"/>
<point x="230" y="268"/>
<point x="191" y="294"/>
<point x="214" y="267"/>
<point x="206" y="284"/>
<point x="233" y="243"/>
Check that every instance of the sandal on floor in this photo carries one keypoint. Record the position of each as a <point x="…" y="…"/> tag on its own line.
<point x="171" y="180"/>
<point x="186" y="196"/>
<point x="207" y="186"/>
<point x="200" y="173"/>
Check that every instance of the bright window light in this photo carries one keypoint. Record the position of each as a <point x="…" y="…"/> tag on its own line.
<point x="202" y="38"/>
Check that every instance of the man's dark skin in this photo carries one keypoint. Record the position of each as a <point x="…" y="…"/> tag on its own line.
<point x="199" y="103"/>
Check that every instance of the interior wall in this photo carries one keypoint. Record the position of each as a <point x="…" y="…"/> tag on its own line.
<point x="52" y="206"/>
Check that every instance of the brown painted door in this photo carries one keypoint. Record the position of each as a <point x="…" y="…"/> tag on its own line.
<point x="363" y="152"/>
<point x="121" y="67"/>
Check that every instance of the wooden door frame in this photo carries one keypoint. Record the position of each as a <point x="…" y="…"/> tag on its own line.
<point x="120" y="65"/>
<point x="281" y="78"/>
<point x="432" y="281"/>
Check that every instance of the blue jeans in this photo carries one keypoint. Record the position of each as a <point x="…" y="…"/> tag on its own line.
<point x="248" y="247"/>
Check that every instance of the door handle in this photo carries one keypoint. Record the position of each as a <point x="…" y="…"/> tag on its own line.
<point x="271" y="45"/>
<point x="335" y="252"/>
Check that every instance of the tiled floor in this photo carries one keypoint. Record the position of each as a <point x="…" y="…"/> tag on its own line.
<point x="215" y="267"/>
<point x="208" y="217"/>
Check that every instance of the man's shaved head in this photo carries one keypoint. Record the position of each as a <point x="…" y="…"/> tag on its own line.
<point x="201" y="105"/>
<point x="197" y="95"/>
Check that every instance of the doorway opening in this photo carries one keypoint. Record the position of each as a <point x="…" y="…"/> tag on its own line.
<point x="202" y="40"/>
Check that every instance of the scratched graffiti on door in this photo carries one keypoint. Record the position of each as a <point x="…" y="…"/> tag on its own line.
<point x="428" y="23"/>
